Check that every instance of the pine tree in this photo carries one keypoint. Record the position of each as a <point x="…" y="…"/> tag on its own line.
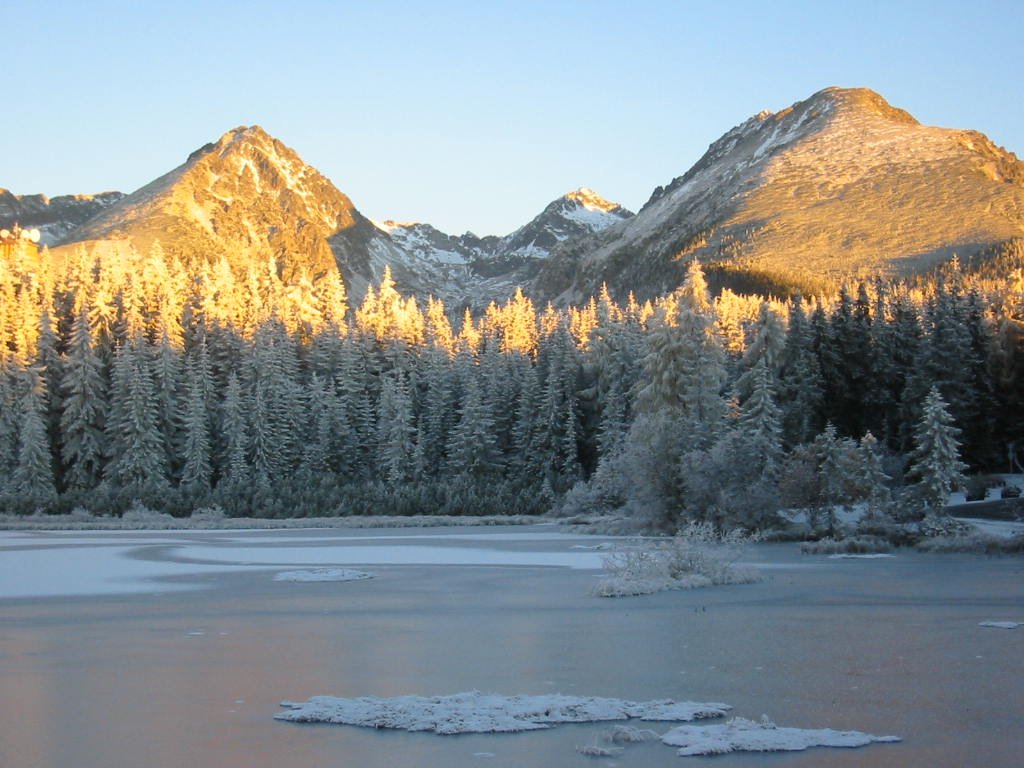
<point x="33" y="474"/>
<point x="9" y="417"/>
<point x="472" y="451"/>
<point x="197" y="466"/>
<point x="760" y="423"/>
<point x="800" y="382"/>
<point x="395" y="429"/>
<point x="936" y="464"/>
<point x="235" y="432"/>
<point x="137" y="461"/>
<point x="84" y="408"/>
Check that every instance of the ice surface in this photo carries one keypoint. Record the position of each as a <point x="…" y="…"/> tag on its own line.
<point x="741" y="735"/>
<point x="475" y="712"/>
<point x="77" y="563"/>
<point x="323" y="574"/>
<point x="1001" y="624"/>
<point x="89" y="570"/>
<point x="849" y="556"/>
<point x="390" y="555"/>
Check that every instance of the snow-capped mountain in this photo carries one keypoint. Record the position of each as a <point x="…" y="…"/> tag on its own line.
<point x="54" y="217"/>
<point x="246" y="197"/>
<point x="471" y="270"/>
<point x="249" y="198"/>
<point x="838" y="185"/>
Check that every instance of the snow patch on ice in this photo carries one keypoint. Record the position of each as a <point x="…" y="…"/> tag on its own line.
<point x="476" y="712"/>
<point x="741" y="735"/>
<point x="848" y="556"/>
<point x="1001" y="624"/>
<point x="323" y="574"/>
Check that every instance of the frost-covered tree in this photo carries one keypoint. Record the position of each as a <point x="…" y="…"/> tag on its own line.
<point x="936" y="467"/>
<point x="559" y="418"/>
<point x="197" y="465"/>
<point x="472" y="450"/>
<point x="396" y="431"/>
<point x="136" y="459"/>
<point x="801" y="389"/>
<point x="873" y="482"/>
<point x="9" y="420"/>
<point x="84" y="408"/>
<point x="33" y="474"/>
<point x="234" y="434"/>
<point x="760" y="423"/>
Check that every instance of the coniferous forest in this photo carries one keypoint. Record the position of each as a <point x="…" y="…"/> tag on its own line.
<point x="186" y="387"/>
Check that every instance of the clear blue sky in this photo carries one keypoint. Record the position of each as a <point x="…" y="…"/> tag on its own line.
<point x="472" y="115"/>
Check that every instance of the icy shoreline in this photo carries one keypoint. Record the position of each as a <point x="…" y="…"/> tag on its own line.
<point x="161" y="522"/>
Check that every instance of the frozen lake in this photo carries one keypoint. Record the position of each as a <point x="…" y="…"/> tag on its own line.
<point x="175" y="648"/>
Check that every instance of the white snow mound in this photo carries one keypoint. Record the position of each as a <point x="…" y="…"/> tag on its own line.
<point x="475" y="712"/>
<point x="323" y="574"/>
<point x="1001" y="624"/>
<point x="741" y="735"/>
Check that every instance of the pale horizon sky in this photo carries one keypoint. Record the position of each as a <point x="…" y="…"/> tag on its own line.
<point x="472" y="116"/>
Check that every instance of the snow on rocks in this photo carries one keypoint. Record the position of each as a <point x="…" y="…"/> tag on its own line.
<point x="741" y="735"/>
<point x="323" y="574"/>
<point x="475" y="712"/>
<point x="1001" y="624"/>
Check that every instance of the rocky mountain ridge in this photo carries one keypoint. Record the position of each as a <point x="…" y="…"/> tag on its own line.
<point x="836" y="186"/>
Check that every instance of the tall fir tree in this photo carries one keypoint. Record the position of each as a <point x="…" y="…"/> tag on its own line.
<point x="936" y="468"/>
<point x="84" y="408"/>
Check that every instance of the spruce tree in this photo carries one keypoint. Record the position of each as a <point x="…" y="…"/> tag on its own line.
<point x="235" y="434"/>
<point x="137" y="460"/>
<point x="936" y="467"/>
<point x="84" y="408"/>
<point x="33" y="474"/>
<point x="197" y="465"/>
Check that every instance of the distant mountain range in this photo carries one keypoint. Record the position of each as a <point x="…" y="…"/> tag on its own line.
<point x="839" y="185"/>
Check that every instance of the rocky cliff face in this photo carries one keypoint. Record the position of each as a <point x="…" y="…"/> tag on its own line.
<point x="839" y="185"/>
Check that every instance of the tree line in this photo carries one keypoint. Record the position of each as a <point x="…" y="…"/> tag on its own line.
<point x="129" y="378"/>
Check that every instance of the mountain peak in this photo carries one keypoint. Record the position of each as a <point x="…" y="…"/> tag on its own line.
<point x="839" y="183"/>
<point x="863" y="100"/>
<point x="590" y="200"/>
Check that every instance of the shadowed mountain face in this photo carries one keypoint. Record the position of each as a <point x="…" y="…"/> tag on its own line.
<point x="839" y="185"/>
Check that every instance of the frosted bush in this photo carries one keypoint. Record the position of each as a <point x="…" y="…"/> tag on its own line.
<point x="698" y="556"/>
<point x="860" y="545"/>
<point x="140" y="516"/>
